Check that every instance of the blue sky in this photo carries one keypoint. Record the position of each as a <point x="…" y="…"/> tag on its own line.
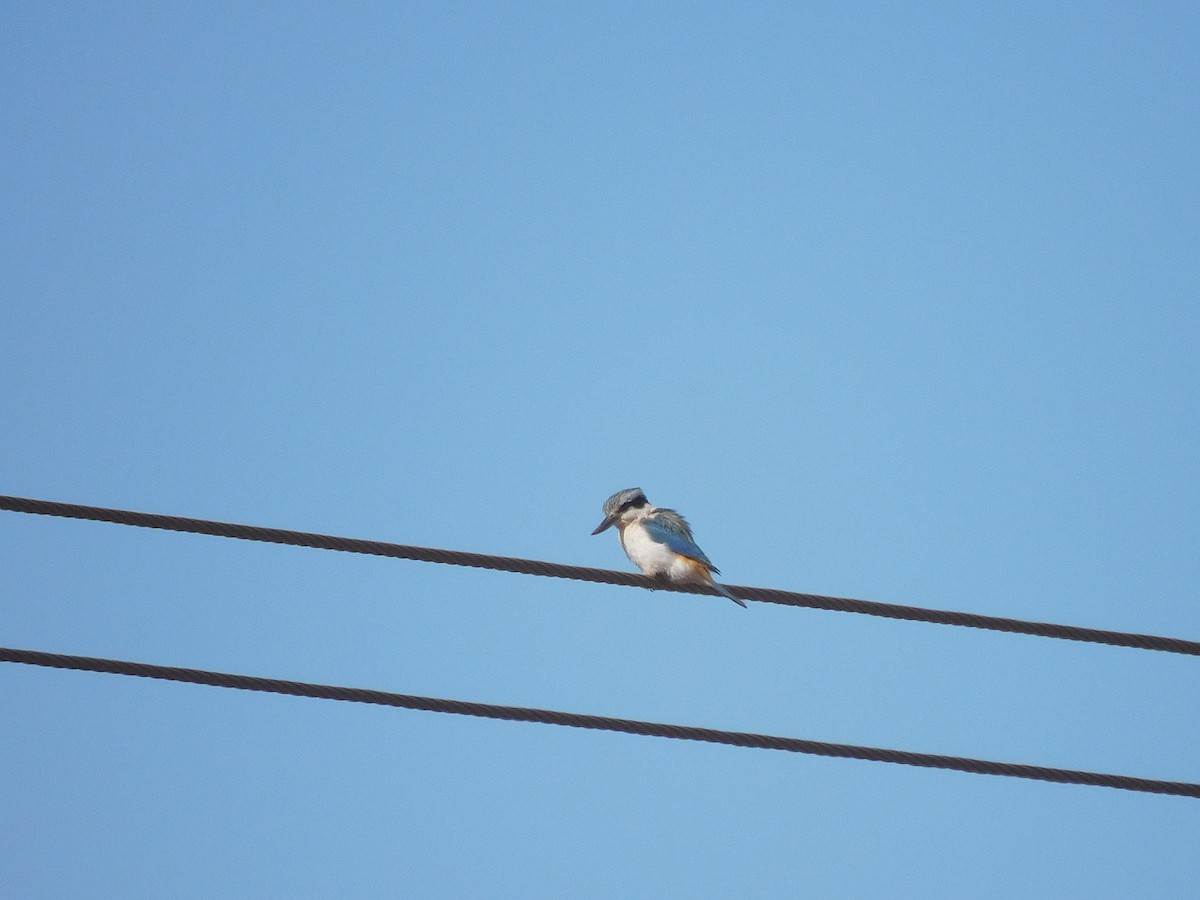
<point x="893" y="302"/>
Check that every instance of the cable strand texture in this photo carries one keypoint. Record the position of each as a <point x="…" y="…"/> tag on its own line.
<point x="602" y="576"/>
<point x="600" y="723"/>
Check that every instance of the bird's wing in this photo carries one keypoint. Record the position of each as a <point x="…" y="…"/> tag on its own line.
<point x="668" y="527"/>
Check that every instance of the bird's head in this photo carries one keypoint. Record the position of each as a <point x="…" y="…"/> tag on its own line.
<point x="622" y="507"/>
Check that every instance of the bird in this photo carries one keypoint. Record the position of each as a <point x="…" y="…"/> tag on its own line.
<point x="659" y="541"/>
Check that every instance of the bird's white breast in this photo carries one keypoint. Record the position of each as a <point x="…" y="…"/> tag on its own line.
<point x="647" y="554"/>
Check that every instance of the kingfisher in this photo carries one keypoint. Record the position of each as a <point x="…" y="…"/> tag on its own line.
<point x="659" y="541"/>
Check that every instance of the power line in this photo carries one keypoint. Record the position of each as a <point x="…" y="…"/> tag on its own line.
<point x="600" y="723"/>
<point x="584" y="573"/>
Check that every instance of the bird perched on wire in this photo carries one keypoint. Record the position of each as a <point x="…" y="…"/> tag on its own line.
<point x="659" y="541"/>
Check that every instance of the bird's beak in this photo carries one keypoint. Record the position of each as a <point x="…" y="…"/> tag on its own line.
<point x="606" y="524"/>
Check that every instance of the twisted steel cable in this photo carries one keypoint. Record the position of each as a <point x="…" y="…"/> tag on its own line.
<point x="603" y="576"/>
<point x="600" y="723"/>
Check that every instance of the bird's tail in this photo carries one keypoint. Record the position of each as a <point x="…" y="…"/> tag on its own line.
<point x="725" y="591"/>
<point x="703" y="572"/>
